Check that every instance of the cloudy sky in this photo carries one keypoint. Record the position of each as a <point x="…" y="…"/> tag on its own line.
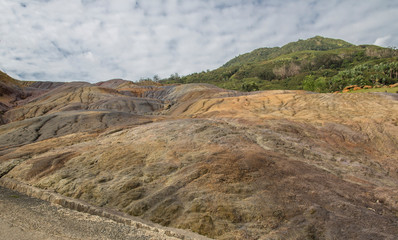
<point x="96" y="40"/>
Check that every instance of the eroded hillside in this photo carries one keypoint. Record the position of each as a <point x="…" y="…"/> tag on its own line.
<point x="228" y="165"/>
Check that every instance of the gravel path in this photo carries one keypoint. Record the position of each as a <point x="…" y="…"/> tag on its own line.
<point x="23" y="217"/>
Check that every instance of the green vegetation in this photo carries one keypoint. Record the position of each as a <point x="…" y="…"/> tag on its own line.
<point x="249" y="86"/>
<point x="369" y="73"/>
<point x="389" y="90"/>
<point x="316" y="64"/>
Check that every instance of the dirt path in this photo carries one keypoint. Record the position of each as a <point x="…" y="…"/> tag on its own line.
<point x="23" y="217"/>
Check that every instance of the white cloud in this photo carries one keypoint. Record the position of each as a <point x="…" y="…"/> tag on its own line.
<point x="95" y="40"/>
<point x="381" y="41"/>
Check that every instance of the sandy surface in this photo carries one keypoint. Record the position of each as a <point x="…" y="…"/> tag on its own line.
<point x="22" y="217"/>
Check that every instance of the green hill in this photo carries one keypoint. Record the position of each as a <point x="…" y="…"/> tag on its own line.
<point x="316" y="43"/>
<point x="316" y="64"/>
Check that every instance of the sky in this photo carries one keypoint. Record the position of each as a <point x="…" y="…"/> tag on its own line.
<point x="97" y="40"/>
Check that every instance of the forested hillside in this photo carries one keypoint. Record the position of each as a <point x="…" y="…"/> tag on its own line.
<point x="316" y="64"/>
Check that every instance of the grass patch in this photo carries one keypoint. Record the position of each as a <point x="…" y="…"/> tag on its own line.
<point x="389" y="90"/>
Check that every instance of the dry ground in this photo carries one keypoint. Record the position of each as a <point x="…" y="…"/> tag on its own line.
<point x="228" y="165"/>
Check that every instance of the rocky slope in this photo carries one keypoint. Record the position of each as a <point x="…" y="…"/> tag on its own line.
<point x="228" y="165"/>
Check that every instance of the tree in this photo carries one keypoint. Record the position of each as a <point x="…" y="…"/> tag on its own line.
<point x="394" y="69"/>
<point x="156" y="78"/>
<point x="175" y="78"/>
<point x="308" y="83"/>
<point x="320" y="85"/>
<point x="248" y="87"/>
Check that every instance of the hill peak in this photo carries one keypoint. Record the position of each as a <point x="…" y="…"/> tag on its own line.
<point x="317" y="43"/>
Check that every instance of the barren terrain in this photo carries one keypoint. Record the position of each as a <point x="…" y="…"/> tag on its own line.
<point x="25" y="218"/>
<point x="221" y="163"/>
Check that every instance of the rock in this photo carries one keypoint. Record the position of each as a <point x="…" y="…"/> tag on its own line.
<point x="350" y="87"/>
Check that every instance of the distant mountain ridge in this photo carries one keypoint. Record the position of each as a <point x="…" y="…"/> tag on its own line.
<point x="317" y="64"/>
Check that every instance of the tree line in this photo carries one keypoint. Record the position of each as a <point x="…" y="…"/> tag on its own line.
<point x="361" y="75"/>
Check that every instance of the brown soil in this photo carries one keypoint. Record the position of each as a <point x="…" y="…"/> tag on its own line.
<point x="228" y="165"/>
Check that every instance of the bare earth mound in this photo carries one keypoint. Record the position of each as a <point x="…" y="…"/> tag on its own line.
<point x="228" y="165"/>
